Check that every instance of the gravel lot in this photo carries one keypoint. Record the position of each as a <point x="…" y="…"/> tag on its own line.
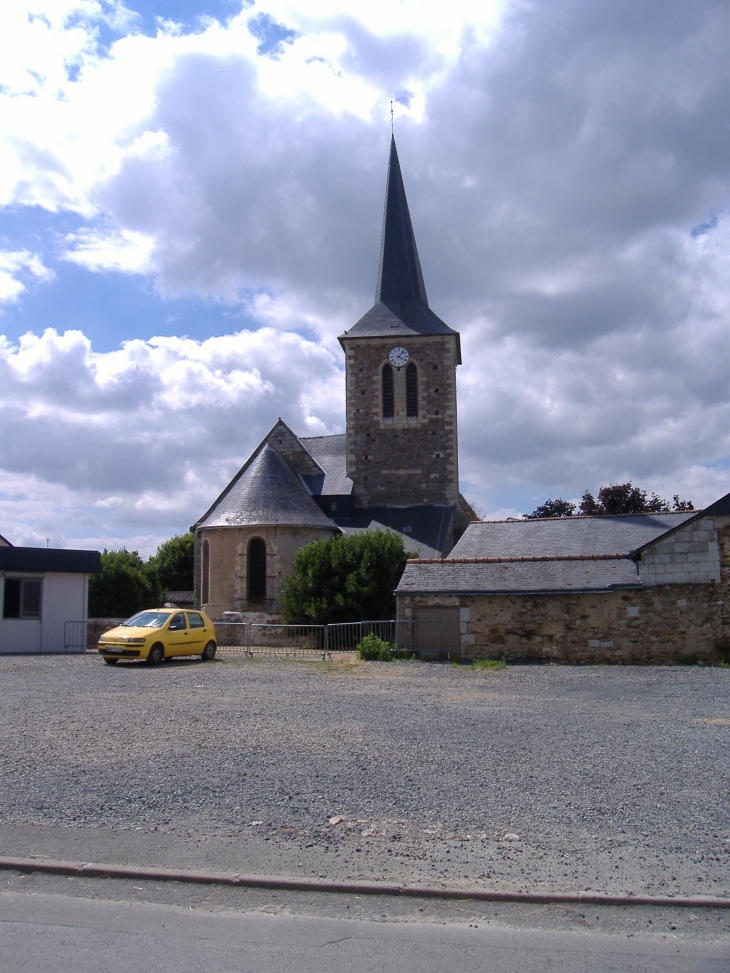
<point x="612" y="778"/>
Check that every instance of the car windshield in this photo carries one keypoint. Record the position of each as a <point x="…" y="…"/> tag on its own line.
<point x="147" y="620"/>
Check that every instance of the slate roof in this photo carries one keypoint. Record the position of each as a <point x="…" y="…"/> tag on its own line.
<point x="401" y="304"/>
<point x="265" y="492"/>
<point x="720" y="508"/>
<point x="53" y="559"/>
<point x="181" y="597"/>
<point x="429" y="525"/>
<point x="567" y="536"/>
<point x="544" y="576"/>
<point x="329" y="452"/>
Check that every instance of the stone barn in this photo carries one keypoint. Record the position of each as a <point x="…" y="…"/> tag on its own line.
<point x="638" y="588"/>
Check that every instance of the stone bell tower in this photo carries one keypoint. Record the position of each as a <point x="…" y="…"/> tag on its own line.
<point x="400" y="360"/>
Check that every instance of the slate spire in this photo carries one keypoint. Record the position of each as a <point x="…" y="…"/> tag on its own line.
<point x="400" y="280"/>
<point x="401" y="306"/>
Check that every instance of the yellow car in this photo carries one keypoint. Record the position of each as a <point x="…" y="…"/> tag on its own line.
<point x="159" y="634"/>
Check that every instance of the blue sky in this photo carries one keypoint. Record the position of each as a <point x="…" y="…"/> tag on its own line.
<point x="190" y="215"/>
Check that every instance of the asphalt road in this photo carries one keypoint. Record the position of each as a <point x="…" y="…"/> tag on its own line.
<point x="83" y="933"/>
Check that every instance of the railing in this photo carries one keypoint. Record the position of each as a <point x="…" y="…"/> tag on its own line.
<point x="74" y="636"/>
<point x="289" y="641"/>
<point x="433" y="640"/>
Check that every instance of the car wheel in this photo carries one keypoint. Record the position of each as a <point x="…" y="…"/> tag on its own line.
<point x="155" y="655"/>
<point x="111" y="662"/>
<point x="209" y="652"/>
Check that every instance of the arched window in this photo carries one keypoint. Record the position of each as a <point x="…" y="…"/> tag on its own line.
<point x="257" y="570"/>
<point x="205" y="586"/>
<point x="388" y="410"/>
<point x="411" y="389"/>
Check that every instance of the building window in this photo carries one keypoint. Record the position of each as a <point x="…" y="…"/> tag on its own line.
<point x="388" y="411"/>
<point x="22" y="598"/>
<point x="411" y="390"/>
<point x="257" y="570"/>
<point x="205" y="586"/>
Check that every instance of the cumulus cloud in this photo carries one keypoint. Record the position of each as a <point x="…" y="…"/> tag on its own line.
<point x="569" y="180"/>
<point x="14" y="266"/>
<point x="140" y="441"/>
<point x="109" y="249"/>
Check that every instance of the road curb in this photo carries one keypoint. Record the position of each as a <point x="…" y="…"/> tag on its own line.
<point x="278" y="883"/>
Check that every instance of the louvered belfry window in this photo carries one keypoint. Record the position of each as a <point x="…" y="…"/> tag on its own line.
<point x="388" y="410"/>
<point x="411" y="390"/>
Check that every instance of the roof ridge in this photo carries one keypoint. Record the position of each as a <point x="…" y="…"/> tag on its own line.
<point x="581" y="517"/>
<point x="527" y="557"/>
<point x="329" y="435"/>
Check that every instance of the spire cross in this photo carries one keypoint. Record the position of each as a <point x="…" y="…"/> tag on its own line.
<point x="392" y="131"/>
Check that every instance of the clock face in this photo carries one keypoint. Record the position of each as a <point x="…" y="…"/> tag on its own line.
<point x="399" y="357"/>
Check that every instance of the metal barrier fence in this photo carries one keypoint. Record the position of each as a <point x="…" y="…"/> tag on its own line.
<point x="427" y="639"/>
<point x="289" y="641"/>
<point x="433" y="640"/>
<point x="74" y="636"/>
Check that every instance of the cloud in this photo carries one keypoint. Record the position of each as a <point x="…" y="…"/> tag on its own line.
<point x="569" y="180"/>
<point x="126" y="251"/>
<point x="144" y="438"/>
<point x="14" y="266"/>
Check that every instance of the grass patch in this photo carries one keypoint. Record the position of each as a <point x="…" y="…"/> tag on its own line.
<point x="489" y="665"/>
<point x="689" y="659"/>
<point x="723" y="650"/>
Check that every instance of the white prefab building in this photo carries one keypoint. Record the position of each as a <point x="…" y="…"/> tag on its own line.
<point x="44" y="598"/>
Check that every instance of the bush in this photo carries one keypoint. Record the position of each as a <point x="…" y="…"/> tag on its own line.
<point x="123" y="586"/>
<point x="373" y="649"/>
<point x="348" y="578"/>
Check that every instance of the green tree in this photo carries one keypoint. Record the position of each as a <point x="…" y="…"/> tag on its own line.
<point x="124" y="585"/>
<point x="625" y="498"/>
<point x="348" y="578"/>
<point x="552" y="508"/>
<point x="618" y="498"/>
<point x="173" y="563"/>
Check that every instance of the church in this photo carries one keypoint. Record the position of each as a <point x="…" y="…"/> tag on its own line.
<point x="646" y="588"/>
<point x="395" y="467"/>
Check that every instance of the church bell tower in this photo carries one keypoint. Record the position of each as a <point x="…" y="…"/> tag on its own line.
<point x="400" y="361"/>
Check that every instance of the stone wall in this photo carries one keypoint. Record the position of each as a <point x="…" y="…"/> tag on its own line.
<point x="658" y="625"/>
<point x="690" y="554"/>
<point x="95" y="628"/>
<point x="403" y="460"/>
<point x="229" y="563"/>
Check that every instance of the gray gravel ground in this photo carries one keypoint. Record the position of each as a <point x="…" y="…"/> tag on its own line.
<point x="614" y="779"/>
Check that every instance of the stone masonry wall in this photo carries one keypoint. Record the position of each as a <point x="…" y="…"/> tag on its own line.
<point x="690" y="554"/>
<point x="229" y="562"/>
<point x="650" y="626"/>
<point x="403" y="460"/>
